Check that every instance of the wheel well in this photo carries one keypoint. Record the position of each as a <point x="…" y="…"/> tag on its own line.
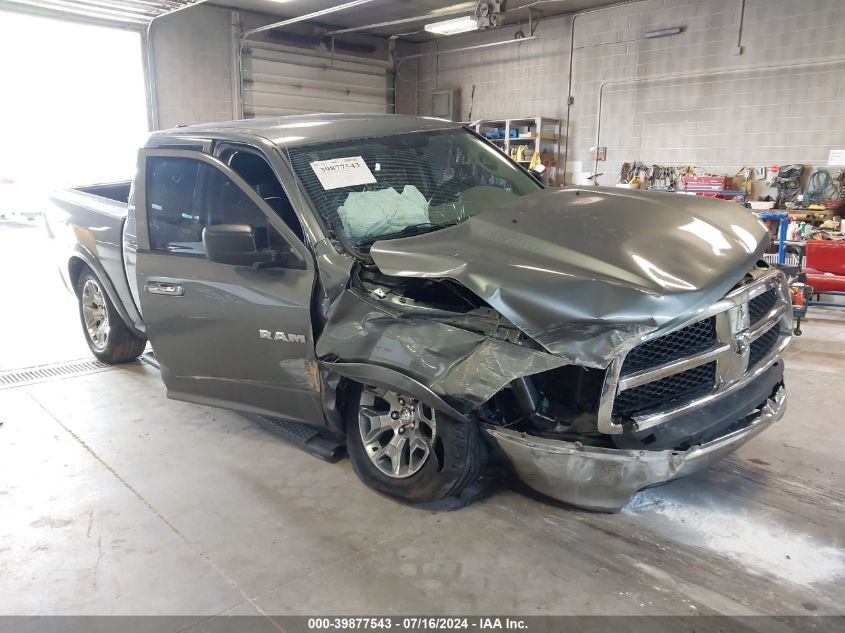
<point x="342" y="394"/>
<point x="74" y="270"/>
<point x="77" y="267"/>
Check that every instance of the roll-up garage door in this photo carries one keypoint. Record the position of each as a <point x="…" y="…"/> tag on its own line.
<point x="278" y="80"/>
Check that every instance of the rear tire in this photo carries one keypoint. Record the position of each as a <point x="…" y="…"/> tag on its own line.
<point x="108" y="337"/>
<point x="453" y="461"/>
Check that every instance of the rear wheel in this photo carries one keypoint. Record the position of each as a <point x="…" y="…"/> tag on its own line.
<point x="107" y="335"/>
<point x="405" y="449"/>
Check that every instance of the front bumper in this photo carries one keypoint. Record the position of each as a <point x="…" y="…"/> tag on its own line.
<point x="605" y="479"/>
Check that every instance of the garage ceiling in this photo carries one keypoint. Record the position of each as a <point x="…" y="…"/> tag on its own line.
<point x="140" y="12"/>
<point x="379" y="11"/>
<point x="119" y="12"/>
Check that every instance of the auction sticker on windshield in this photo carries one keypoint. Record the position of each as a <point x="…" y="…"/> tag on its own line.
<point x="343" y="172"/>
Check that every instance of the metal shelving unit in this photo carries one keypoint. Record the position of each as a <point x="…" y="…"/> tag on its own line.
<point x="536" y="133"/>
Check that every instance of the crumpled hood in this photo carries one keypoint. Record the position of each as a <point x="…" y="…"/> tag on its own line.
<point x="586" y="272"/>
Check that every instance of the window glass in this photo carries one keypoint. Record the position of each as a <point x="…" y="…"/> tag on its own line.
<point x="185" y="195"/>
<point x="377" y="188"/>
<point x="256" y="171"/>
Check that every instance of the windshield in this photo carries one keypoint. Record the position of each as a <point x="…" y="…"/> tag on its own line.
<point x="380" y="188"/>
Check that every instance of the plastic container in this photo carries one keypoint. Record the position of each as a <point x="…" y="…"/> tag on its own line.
<point x="762" y="206"/>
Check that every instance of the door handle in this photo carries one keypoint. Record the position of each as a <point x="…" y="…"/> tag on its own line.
<point x="165" y="289"/>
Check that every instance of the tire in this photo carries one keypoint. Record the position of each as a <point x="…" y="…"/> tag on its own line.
<point x="454" y="461"/>
<point x="108" y="337"/>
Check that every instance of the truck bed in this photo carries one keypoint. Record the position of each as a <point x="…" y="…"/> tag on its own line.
<point x="117" y="191"/>
<point x="86" y="225"/>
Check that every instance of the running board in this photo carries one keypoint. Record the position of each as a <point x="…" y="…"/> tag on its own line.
<point x="150" y="359"/>
<point x="303" y="436"/>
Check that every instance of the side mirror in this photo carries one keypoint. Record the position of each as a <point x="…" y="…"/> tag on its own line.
<point x="238" y="245"/>
<point x="538" y="171"/>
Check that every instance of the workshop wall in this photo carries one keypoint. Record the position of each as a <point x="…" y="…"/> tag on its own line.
<point x="192" y="50"/>
<point x="406" y="84"/>
<point x="720" y="121"/>
<point x="193" y="59"/>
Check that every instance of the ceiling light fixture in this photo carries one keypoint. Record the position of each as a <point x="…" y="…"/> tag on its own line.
<point x="450" y="27"/>
<point x="461" y="6"/>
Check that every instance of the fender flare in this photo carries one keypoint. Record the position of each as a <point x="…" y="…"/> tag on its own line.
<point x="392" y="379"/>
<point x="84" y="255"/>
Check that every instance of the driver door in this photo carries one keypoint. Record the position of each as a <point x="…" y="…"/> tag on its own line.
<point x="224" y="335"/>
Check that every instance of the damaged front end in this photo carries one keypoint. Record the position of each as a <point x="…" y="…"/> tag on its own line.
<point x="605" y="479"/>
<point x="428" y="338"/>
<point x="571" y="432"/>
<point x="672" y="404"/>
<point x="641" y="374"/>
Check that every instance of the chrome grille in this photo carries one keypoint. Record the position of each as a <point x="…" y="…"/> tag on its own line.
<point x="761" y="347"/>
<point x="726" y="347"/>
<point x="683" y="386"/>
<point x="762" y="304"/>
<point x="689" y="340"/>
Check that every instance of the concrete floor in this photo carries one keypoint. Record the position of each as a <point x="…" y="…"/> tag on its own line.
<point x="115" y="500"/>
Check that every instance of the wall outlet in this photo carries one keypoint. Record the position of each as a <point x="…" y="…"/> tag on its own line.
<point x="738" y="50"/>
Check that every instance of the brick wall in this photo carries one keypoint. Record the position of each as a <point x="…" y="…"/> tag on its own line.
<point x="193" y="66"/>
<point x="721" y="121"/>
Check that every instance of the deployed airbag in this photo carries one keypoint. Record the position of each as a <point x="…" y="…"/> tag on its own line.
<point x="371" y="213"/>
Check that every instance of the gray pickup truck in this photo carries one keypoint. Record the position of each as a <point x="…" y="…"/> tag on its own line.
<point x="405" y="287"/>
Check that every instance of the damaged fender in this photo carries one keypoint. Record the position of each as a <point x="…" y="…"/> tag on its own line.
<point x="369" y="341"/>
<point x="391" y="379"/>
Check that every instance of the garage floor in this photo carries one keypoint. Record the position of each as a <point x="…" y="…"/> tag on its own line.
<point x="115" y="500"/>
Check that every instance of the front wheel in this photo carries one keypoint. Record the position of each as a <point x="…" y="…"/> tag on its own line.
<point x="108" y="337"/>
<point x="403" y="448"/>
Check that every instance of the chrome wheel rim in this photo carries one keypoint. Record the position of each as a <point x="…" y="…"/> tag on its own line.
<point x="95" y="315"/>
<point x="397" y="431"/>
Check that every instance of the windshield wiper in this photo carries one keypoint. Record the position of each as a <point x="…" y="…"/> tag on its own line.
<point x="413" y="229"/>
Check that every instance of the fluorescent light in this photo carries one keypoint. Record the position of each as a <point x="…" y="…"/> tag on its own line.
<point x="457" y="7"/>
<point x="450" y="27"/>
<point x="664" y="32"/>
